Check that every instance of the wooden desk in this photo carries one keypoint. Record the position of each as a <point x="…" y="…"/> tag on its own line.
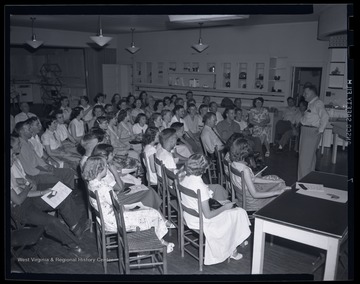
<point x="308" y="220"/>
<point x="339" y="129"/>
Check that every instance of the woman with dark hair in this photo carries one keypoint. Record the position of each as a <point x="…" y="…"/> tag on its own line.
<point x="84" y="103"/>
<point x="130" y="100"/>
<point x="167" y="103"/>
<point x="100" y="99"/>
<point x="259" y="191"/>
<point x="115" y="100"/>
<point x="156" y="121"/>
<point x="136" y="110"/>
<point x="150" y="141"/>
<point x="260" y="119"/>
<point x="158" y="106"/>
<point x="225" y="228"/>
<point x="76" y="125"/>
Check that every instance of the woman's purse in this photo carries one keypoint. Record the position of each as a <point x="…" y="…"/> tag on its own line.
<point x="214" y="204"/>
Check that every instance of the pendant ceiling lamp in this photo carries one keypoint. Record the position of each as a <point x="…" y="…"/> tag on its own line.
<point x="200" y="47"/>
<point x="100" y="39"/>
<point x="132" y="49"/>
<point x="33" y="42"/>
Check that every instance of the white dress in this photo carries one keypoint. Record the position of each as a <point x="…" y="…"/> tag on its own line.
<point x="224" y="232"/>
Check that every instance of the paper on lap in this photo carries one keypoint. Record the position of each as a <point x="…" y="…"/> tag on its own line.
<point x="57" y="195"/>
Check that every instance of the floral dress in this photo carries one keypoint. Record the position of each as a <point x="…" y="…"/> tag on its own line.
<point x="142" y="218"/>
<point x="263" y="132"/>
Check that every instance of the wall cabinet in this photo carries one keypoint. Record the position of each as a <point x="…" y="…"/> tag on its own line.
<point x="228" y="76"/>
<point x="338" y="68"/>
<point x="278" y="80"/>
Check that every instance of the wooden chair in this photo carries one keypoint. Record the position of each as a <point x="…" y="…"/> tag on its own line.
<point x="161" y="184"/>
<point x="105" y="240"/>
<point x="147" y="168"/>
<point x="212" y="174"/>
<point x="191" y="237"/>
<point x="23" y="237"/>
<point x="227" y="180"/>
<point x="219" y="155"/>
<point x="134" y="247"/>
<point x="171" y="198"/>
<point x="235" y="188"/>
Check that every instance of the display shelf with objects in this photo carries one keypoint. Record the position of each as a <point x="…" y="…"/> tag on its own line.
<point x="242" y="82"/>
<point x="259" y="76"/>
<point x="278" y="75"/>
<point x="149" y="72"/>
<point x="193" y="79"/>
<point x="337" y="68"/>
<point x="226" y="82"/>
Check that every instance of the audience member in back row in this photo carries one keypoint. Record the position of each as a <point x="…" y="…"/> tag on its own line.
<point x="150" y="141"/>
<point x="37" y="168"/>
<point x="209" y="137"/>
<point x="54" y="147"/>
<point x="28" y="206"/>
<point x="97" y="111"/>
<point x="227" y="126"/>
<point x="65" y="108"/>
<point x="226" y="227"/>
<point x="77" y="125"/>
<point x="213" y="107"/>
<point x="259" y="191"/>
<point x="63" y="135"/>
<point x="24" y="114"/>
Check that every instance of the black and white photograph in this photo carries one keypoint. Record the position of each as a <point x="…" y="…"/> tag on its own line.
<point x="179" y="142"/>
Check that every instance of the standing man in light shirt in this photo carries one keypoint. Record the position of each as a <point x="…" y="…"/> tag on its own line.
<point x="313" y="124"/>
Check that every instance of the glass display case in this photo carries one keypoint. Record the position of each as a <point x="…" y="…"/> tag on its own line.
<point x="242" y="81"/>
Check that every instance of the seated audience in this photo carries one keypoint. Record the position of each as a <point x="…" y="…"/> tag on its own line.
<point x="136" y="110"/>
<point x="24" y="114"/>
<point x="156" y="121"/>
<point x="167" y="139"/>
<point x="54" y="147"/>
<point x="166" y="116"/>
<point x="225" y="228"/>
<point x="259" y="191"/>
<point x="182" y="149"/>
<point x="203" y="109"/>
<point x="65" y="108"/>
<point x="39" y="169"/>
<point x="193" y="121"/>
<point x="63" y="135"/>
<point x="140" y="126"/>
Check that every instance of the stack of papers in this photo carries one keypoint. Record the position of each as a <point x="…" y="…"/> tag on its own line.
<point x="319" y="191"/>
<point x="57" y="194"/>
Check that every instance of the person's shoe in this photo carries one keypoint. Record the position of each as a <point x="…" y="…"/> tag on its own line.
<point x="236" y="255"/>
<point x="81" y="229"/>
<point x="244" y="243"/>
<point x="78" y="251"/>
<point x="267" y="154"/>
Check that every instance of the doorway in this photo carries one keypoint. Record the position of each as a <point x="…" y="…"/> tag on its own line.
<point x="303" y="76"/>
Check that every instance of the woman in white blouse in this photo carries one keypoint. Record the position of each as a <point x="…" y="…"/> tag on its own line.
<point x="150" y="140"/>
<point x="226" y="227"/>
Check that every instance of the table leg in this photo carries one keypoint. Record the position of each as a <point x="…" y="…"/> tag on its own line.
<point x="258" y="249"/>
<point x="334" y="152"/>
<point x="331" y="259"/>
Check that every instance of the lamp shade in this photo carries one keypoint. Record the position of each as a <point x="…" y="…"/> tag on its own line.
<point x="100" y="39"/>
<point x="33" y="42"/>
<point x="132" y="48"/>
<point x="200" y="47"/>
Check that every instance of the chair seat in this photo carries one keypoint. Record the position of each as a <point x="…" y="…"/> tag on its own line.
<point x="26" y="236"/>
<point x="144" y="241"/>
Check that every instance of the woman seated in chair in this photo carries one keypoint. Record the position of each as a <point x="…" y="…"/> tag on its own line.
<point x="28" y="207"/>
<point x="259" y="119"/>
<point x="95" y="172"/>
<point x="259" y="191"/>
<point x="150" y="141"/>
<point x="226" y="227"/>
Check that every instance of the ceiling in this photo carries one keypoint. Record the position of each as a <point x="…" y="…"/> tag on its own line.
<point x="86" y="19"/>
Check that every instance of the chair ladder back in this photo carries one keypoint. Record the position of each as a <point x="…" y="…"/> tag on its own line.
<point x="120" y="222"/>
<point x="227" y="178"/>
<point x="161" y="182"/>
<point x="235" y="188"/>
<point x="220" y="166"/>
